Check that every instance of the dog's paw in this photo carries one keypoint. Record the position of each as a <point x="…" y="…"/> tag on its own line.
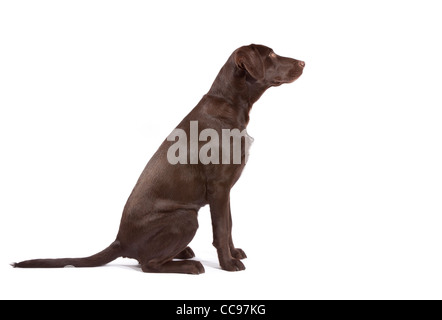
<point x="195" y="267"/>
<point x="187" y="253"/>
<point x="232" y="265"/>
<point x="238" y="253"/>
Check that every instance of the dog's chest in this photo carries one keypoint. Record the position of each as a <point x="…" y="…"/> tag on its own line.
<point x="248" y="140"/>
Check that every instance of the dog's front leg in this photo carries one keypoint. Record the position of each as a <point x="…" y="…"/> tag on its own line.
<point x="220" y="213"/>
<point x="235" y="252"/>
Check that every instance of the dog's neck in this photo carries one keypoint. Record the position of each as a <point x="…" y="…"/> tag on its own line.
<point x="237" y="88"/>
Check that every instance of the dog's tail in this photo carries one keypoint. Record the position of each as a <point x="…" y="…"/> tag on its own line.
<point x="107" y="255"/>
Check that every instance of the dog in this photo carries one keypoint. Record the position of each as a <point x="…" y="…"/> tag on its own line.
<point x="160" y="217"/>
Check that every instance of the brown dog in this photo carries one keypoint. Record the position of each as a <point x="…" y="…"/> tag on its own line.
<point x="160" y="216"/>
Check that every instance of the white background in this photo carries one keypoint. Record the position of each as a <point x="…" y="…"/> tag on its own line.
<point x="341" y="198"/>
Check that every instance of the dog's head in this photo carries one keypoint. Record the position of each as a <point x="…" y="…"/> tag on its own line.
<point x="265" y="66"/>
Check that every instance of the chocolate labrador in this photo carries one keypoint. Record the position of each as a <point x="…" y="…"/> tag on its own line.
<point x="160" y="217"/>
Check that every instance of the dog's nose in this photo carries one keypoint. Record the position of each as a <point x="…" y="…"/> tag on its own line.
<point x="301" y="64"/>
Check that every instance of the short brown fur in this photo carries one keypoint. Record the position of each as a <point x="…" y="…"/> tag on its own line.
<point x="160" y="217"/>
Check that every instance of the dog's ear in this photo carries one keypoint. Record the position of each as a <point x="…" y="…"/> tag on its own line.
<point x="249" y="59"/>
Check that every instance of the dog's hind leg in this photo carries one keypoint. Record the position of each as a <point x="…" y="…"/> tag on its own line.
<point x="175" y="230"/>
